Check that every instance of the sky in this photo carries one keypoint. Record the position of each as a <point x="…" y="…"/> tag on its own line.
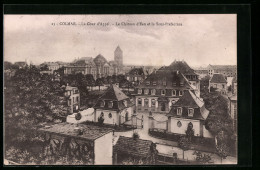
<point x="198" y="39"/>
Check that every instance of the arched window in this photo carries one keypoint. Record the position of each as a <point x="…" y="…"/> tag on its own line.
<point x="180" y="93"/>
<point x="179" y="124"/>
<point x="174" y="92"/>
<point x="162" y="92"/>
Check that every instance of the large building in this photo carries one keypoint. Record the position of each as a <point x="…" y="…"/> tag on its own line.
<point x="165" y="86"/>
<point x="113" y="106"/>
<point x="226" y="70"/>
<point x="188" y="111"/>
<point x="98" y="66"/>
<point x="218" y="83"/>
<point x="73" y="98"/>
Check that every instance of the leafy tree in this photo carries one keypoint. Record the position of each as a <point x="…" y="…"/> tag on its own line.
<point x="90" y="80"/>
<point x="184" y="144"/>
<point x="44" y="67"/>
<point x="190" y="132"/>
<point x="7" y="65"/>
<point x="222" y="150"/>
<point x="99" y="82"/>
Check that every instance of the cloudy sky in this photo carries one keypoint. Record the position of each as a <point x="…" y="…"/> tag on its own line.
<point x="197" y="39"/>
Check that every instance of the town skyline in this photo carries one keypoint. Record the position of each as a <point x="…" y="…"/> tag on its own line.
<point x="211" y="39"/>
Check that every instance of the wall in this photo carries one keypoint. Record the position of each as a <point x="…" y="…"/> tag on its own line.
<point x="107" y="120"/>
<point x="181" y="130"/>
<point x="103" y="150"/>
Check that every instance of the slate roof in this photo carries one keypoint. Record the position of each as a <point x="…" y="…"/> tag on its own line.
<point x="113" y="93"/>
<point x="135" y="147"/>
<point x="190" y="100"/>
<point x="218" y="78"/>
<point x="90" y="132"/>
<point x="136" y="71"/>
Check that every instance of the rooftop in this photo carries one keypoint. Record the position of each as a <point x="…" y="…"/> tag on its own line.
<point x="90" y="132"/>
<point x="218" y="78"/>
<point x="131" y="146"/>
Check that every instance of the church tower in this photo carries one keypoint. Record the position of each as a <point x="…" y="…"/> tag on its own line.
<point x="118" y="56"/>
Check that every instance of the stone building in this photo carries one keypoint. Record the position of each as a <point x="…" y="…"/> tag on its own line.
<point x="218" y="82"/>
<point x="113" y="106"/>
<point x="226" y="70"/>
<point x="73" y="98"/>
<point x="189" y="110"/>
<point x="165" y="86"/>
<point x="98" y="66"/>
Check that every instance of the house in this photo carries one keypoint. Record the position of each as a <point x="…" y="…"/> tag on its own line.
<point x="226" y="70"/>
<point x="113" y="106"/>
<point x="160" y="90"/>
<point x="233" y="110"/>
<point x="98" y="66"/>
<point x="134" y="149"/>
<point x="73" y="97"/>
<point x="189" y="110"/>
<point x="218" y="82"/>
<point x="93" y="144"/>
<point x="136" y="76"/>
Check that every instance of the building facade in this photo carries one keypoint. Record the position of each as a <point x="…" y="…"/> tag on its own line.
<point x="114" y="107"/>
<point x="188" y="111"/>
<point x="73" y="98"/>
<point x="98" y="67"/>
<point x="226" y="70"/>
<point x="164" y="87"/>
<point x="218" y="83"/>
<point x="233" y="110"/>
<point x="136" y="76"/>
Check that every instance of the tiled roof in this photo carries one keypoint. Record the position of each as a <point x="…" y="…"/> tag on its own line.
<point x="90" y="132"/>
<point x="113" y="93"/>
<point x="218" y="78"/>
<point x="135" y="147"/>
<point x="136" y="71"/>
<point x="190" y="100"/>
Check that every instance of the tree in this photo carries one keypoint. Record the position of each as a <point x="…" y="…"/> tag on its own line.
<point x="184" y="144"/>
<point x="90" y="80"/>
<point x="190" y="132"/>
<point x="222" y="151"/>
<point x="7" y="65"/>
<point x="99" y="82"/>
<point x="44" y="67"/>
<point x="202" y="158"/>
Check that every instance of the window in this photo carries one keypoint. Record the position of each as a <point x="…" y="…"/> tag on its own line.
<point x="102" y="114"/>
<point x="179" y="124"/>
<point x="139" y="91"/>
<point x="146" y="91"/>
<point x="173" y="102"/>
<point x="180" y="93"/>
<point x="174" y="84"/>
<point x="179" y="111"/>
<point x="153" y="102"/>
<point x="77" y="99"/>
<point x="110" y="104"/>
<point x="164" y="83"/>
<point x="139" y="101"/>
<point x="163" y="92"/>
<point x="174" y="92"/>
<point x="148" y="83"/>
<point x="223" y="86"/>
<point x="146" y="101"/>
<point x="190" y="112"/>
<point x="181" y="84"/>
<point x="215" y="85"/>
<point x="153" y="91"/>
<point x="125" y="103"/>
<point x="102" y="103"/>
<point x="154" y="83"/>
<point x="69" y="102"/>
<point x="110" y="115"/>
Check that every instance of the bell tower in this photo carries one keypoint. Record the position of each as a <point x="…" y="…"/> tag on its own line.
<point x="118" y="56"/>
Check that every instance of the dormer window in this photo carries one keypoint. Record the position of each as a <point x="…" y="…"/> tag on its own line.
<point x="110" y="104"/>
<point x="180" y="93"/>
<point x="102" y="103"/>
<point x="174" y="92"/>
<point x="190" y="112"/>
<point x="153" y="91"/>
<point x="125" y="103"/>
<point x="164" y="83"/>
<point x="162" y="92"/>
<point x="154" y="83"/>
<point x="179" y="111"/>
<point x="139" y="91"/>
<point x="181" y="84"/>
<point x="146" y="91"/>
<point x="148" y="83"/>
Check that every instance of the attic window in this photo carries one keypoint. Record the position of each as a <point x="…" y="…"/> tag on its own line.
<point x="148" y="83"/>
<point x="110" y="104"/>
<point x="190" y="112"/>
<point x="163" y="92"/>
<point x="154" y="83"/>
<point x="181" y="84"/>
<point x="179" y="111"/>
